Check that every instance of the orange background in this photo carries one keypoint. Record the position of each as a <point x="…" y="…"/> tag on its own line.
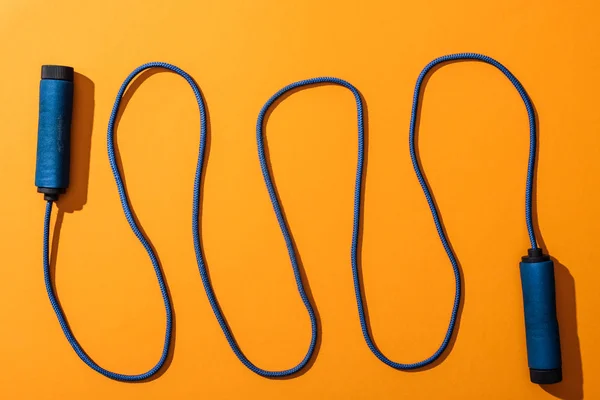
<point x="474" y="141"/>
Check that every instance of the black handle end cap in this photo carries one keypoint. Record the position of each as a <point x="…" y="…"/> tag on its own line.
<point x="545" y="376"/>
<point x="57" y="72"/>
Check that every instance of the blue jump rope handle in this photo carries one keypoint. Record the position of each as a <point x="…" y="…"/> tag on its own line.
<point x="541" y="323"/>
<point x="54" y="131"/>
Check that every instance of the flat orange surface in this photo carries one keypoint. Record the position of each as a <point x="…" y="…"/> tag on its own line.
<point x="473" y="144"/>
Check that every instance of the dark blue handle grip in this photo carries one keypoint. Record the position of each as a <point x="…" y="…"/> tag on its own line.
<point x="541" y="323"/>
<point x="54" y="136"/>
